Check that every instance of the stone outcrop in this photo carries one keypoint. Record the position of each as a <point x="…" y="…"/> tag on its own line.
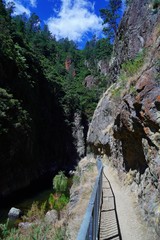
<point x="69" y="66"/>
<point x="90" y="81"/>
<point x="103" y="67"/>
<point x="68" y="63"/>
<point x="126" y="122"/>
<point x="51" y="217"/>
<point x="78" y="134"/>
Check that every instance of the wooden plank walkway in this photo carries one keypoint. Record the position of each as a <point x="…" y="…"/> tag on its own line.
<point x="109" y="225"/>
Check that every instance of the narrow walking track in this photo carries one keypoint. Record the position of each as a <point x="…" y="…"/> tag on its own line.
<point x="120" y="219"/>
<point x="109" y="224"/>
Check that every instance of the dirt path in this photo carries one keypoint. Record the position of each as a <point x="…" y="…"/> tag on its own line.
<point x="131" y="225"/>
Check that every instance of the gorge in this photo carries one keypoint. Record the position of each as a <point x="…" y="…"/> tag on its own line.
<point x="49" y="91"/>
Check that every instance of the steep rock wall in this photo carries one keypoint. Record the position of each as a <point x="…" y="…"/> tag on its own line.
<point x="79" y="130"/>
<point x="126" y="122"/>
<point x="134" y="33"/>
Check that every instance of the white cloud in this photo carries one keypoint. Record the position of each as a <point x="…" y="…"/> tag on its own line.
<point x="33" y="3"/>
<point x="75" y="19"/>
<point x="22" y="6"/>
<point x="19" y="8"/>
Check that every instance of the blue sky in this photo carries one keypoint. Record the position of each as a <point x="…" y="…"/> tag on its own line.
<point x="76" y="19"/>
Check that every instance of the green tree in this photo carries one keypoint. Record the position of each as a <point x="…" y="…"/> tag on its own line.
<point x="103" y="49"/>
<point x="33" y="24"/>
<point x="3" y="11"/>
<point x="19" y="23"/>
<point x="89" y="50"/>
<point x="111" y="17"/>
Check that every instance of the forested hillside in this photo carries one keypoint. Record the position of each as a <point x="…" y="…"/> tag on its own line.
<point x="41" y="88"/>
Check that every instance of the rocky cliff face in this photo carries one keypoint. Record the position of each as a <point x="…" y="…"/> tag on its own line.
<point x="126" y="122"/>
<point x="78" y="132"/>
<point x="135" y="31"/>
<point x="102" y="67"/>
<point x="90" y="81"/>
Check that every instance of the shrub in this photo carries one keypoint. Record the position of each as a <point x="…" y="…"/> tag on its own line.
<point x="76" y="179"/>
<point x="61" y="234"/>
<point x="132" y="66"/>
<point x="77" y="176"/>
<point x="60" y="183"/>
<point x="35" y="232"/>
<point x="58" y="202"/>
<point x="133" y="90"/>
<point x="4" y="229"/>
<point x="116" y="92"/>
<point x="36" y="212"/>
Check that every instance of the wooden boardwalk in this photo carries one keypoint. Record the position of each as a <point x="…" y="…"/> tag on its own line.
<point x="109" y="224"/>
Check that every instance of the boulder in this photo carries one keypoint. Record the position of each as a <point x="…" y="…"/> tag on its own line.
<point x="14" y="213"/>
<point x="25" y="225"/>
<point x="51" y="216"/>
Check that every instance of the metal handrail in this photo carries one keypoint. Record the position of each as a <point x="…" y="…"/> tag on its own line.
<point x="90" y="225"/>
